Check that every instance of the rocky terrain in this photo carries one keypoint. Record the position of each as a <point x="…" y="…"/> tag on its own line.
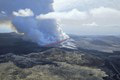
<point x="100" y="43"/>
<point x="24" y="60"/>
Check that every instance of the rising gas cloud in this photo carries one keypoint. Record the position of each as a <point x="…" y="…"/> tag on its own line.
<point x="41" y="31"/>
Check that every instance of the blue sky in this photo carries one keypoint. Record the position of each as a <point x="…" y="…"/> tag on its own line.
<point x="81" y="17"/>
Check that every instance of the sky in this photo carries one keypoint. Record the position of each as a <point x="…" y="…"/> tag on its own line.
<point x="4" y="29"/>
<point x="81" y="17"/>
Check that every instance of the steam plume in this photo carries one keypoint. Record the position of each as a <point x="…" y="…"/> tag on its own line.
<point x="41" y="31"/>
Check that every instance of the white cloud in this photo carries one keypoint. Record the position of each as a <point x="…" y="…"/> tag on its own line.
<point x="106" y="16"/>
<point x="101" y="16"/>
<point x="74" y="15"/>
<point x="101" y="20"/>
<point x="90" y="24"/>
<point x="63" y="5"/>
<point x="106" y="13"/>
<point x="23" y="12"/>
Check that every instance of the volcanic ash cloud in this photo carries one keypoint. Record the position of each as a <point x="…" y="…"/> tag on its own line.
<point x="41" y="31"/>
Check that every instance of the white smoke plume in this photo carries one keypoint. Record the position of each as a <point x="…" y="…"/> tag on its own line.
<point x="41" y="31"/>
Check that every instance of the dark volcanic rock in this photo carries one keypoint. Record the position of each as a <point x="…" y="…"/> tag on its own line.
<point x="24" y="61"/>
<point x="51" y="57"/>
<point x="20" y="59"/>
<point x="13" y="43"/>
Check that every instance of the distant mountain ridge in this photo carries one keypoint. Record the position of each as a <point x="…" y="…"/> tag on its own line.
<point x="100" y="43"/>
